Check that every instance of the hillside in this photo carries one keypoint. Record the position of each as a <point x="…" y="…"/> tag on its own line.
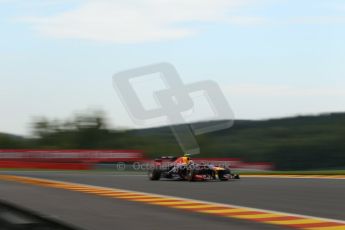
<point x="305" y="142"/>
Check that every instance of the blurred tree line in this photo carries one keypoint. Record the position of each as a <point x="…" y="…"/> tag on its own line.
<point x="299" y="143"/>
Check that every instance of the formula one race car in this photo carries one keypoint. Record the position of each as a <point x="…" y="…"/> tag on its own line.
<point x="183" y="168"/>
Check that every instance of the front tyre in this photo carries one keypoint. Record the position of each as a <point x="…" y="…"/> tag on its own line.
<point x="223" y="175"/>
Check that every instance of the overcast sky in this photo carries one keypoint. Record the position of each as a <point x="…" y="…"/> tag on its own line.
<point x="272" y="58"/>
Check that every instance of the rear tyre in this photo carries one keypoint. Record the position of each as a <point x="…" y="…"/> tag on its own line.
<point x="155" y="174"/>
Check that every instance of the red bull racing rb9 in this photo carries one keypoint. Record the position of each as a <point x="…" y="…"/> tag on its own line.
<point x="183" y="168"/>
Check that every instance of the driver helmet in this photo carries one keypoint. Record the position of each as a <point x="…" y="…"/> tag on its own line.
<point x="186" y="158"/>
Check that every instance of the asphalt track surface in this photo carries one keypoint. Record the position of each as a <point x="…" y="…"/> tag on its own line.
<point x="316" y="197"/>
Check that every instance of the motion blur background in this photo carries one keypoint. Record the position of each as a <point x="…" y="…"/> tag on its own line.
<point x="279" y="63"/>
